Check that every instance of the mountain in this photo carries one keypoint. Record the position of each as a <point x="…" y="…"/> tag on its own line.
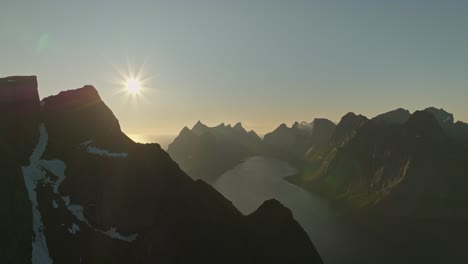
<point x="294" y="141"/>
<point x="444" y="118"/>
<point x="347" y="128"/>
<point x="403" y="183"/>
<point x="76" y="189"/>
<point x="458" y="131"/>
<point x="394" y="117"/>
<point x="207" y="152"/>
<point x="414" y="168"/>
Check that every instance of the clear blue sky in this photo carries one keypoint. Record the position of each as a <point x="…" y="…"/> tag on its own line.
<point x="260" y="62"/>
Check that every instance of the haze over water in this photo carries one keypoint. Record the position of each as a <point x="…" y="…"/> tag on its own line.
<point x="259" y="178"/>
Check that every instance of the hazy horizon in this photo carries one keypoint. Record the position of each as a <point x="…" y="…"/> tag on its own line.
<point x="262" y="63"/>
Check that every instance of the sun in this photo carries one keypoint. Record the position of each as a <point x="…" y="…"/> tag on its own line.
<point x="132" y="83"/>
<point x="133" y="86"/>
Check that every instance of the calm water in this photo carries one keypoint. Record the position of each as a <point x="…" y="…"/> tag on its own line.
<point x="261" y="178"/>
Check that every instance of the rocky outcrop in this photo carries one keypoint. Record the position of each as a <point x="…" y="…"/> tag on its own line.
<point x="85" y="193"/>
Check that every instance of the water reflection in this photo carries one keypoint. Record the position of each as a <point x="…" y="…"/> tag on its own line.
<point x="261" y="178"/>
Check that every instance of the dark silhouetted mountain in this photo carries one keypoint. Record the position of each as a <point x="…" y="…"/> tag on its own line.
<point x="403" y="183"/>
<point x="207" y="152"/>
<point x="444" y="118"/>
<point x="269" y="232"/>
<point x="293" y="142"/>
<point x="458" y="131"/>
<point x="411" y="169"/>
<point x="76" y="189"/>
<point x="395" y="117"/>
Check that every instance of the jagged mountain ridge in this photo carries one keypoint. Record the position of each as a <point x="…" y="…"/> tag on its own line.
<point x="397" y="116"/>
<point x="404" y="182"/>
<point x="400" y="169"/>
<point x="346" y="143"/>
<point x="383" y="163"/>
<point x="196" y="149"/>
<point x="79" y="190"/>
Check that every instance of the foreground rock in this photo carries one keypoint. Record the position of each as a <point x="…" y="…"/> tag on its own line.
<point x="78" y="190"/>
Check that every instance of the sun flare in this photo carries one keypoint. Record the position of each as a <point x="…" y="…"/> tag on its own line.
<point x="132" y="83"/>
<point x="133" y="86"/>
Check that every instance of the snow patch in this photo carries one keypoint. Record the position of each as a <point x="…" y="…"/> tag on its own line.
<point x="74" y="229"/>
<point x="100" y="151"/>
<point x="33" y="175"/>
<point x="86" y="143"/>
<point x="66" y="199"/>
<point x="448" y="119"/>
<point x="56" y="167"/>
<point x="77" y="211"/>
<point x="104" y="152"/>
<point x="115" y="234"/>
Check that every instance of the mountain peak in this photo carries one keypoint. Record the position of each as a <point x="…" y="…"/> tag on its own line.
<point x="443" y="117"/>
<point x="349" y="115"/>
<point x="85" y="96"/>
<point x="238" y="127"/>
<point x="282" y="126"/>
<point x="199" y="128"/>
<point x="322" y="121"/>
<point x="397" y="116"/>
<point x="81" y="114"/>
<point x="347" y="127"/>
<point x="351" y="119"/>
<point x="185" y="130"/>
<point x="19" y="97"/>
<point x="424" y="123"/>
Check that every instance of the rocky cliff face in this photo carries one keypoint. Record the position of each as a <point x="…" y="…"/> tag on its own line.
<point x="78" y="190"/>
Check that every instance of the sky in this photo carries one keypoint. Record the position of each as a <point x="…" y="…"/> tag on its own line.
<point x="259" y="62"/>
